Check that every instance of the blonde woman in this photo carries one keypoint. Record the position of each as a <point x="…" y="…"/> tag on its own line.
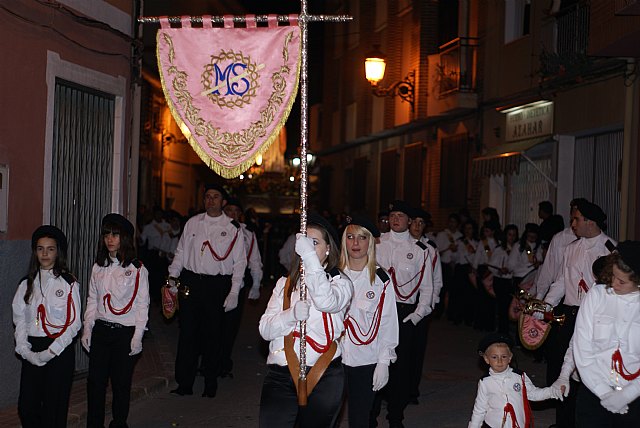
<point x="368" y="345"/>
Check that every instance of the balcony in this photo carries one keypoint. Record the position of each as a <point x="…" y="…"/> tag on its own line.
<point x="452" y="77"/>
<point x="627" y="7"/>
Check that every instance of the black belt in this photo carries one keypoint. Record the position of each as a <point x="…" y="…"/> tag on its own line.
<point x="336" y="362"/>
<point x="570" y="310"/>
<point x="110" y="324"/>
<point x="202" y="276"/>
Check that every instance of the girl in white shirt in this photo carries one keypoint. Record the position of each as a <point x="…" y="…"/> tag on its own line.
<point x="114" y="320"/>
<point x="45" y="313"/>
<point x="527" y="253"/>
<point x="368" y="345"/>
<point x="606" y="345"/>
<point x="329" y="293"/>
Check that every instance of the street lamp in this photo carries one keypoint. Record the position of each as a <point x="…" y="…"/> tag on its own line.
<point x="374" y="67"/>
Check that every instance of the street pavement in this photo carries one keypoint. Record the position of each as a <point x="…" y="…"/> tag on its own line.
<point x="447" y="391"/>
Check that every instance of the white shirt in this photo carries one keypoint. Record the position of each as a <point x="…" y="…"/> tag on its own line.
<point x="521" y="263"/>
<point x="436" y="266"/>
<point x="254" y="261"/>
<point x="53" y="293"/>
<point x="362" y="316"/>
<point x="482" y="255"/>
<point x="605" y="322"/>
<point x="498" y="389"/>
<point x="223" y="236"/>
<point x="170" y="240"/>
<point x="500" y="258"/>
<point x="552" y="266"/>
<point x="331" y="296"/>
<point x="466" y="251"/>
<point x="577" y="265"/>
<point x="413" y="269"/>
<point x="118" y="282"/>
<point x="153" y="233"/>
<point x="443" y="240"/>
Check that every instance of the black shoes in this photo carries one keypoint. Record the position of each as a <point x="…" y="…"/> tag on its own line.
<point x="181" y="391"/>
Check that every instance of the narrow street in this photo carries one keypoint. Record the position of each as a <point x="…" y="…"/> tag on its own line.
<point x="448" y="387"/>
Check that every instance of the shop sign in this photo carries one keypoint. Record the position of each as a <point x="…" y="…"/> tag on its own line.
<point x="530" y="121"/>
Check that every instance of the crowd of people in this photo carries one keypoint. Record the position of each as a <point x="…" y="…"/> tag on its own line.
<point x="360" y="295"/>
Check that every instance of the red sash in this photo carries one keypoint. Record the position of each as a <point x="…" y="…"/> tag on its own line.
<point x="106" y="300"/>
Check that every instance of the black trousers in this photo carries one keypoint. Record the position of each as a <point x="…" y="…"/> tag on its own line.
<point x="421" y="336"/>
<point x="231" y="325"/>
<point x="201" y="324"/>
<point x="398" y="390"/>
<point x="360" y="395"/>
<point x="504" y="289"/>
<point x="485" y="305"/>
<point x="44" y="391"/>
<point x="591" y="414"/>
<point x="555" y="347"/>
<point x="279" y="402"/>
<point x="109" y="360"/>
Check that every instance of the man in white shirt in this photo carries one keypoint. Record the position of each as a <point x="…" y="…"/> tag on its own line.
<point x="155" y="261"/>
<point x="576" y="277"/>
<point x="252" y="278"/>
<point x="210" y="261"/>
<point x="410" y="265"/>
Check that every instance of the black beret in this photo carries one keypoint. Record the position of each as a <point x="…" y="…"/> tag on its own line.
<point x="363" y="221"/>
<point x="234" y="202"/>
<point x="219" y="188"/>
<point x="421" y="214"/>
<point x="531" y="227"/>
<point x="115" y="219"/>
<point x="492" y="338"/>
<point x="592" y="212"/>
<point x="318" y="220"/>
<point x="402" y="207"/>
<point x="630" y="253"/>
<point x="383" y="214"/>
<point x="48" y="231"/>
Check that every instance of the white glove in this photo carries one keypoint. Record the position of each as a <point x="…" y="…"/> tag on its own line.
<point x="32" y="357"/>
<point x="304" y="246"/>
<point x="413" y="317"/>
<point x="561" y="388"/>
<point x="231" y="302"/>
<point x="380" y="376"/>
<point x="45" y="356"/>
<point x="301" y="310"/>
<point x="254" y="292"/>
<point x="617" y="401"/>
<point x="86" y="339"/>
<point x="307" y="252"/>
<point x="538" y="315"/>
<point x="172" y="281"/>
<point x="136" y="345"/>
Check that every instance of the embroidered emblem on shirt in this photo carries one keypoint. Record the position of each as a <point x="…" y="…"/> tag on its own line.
<point x="127" y="273"/>
<point x="59" y="293"/>
<point x="533" y="333"/>
<point x="517" y="387"/>
<point x="370" y="295"/>
<point x="223" y="233"/>
<point x="410" y="256"/>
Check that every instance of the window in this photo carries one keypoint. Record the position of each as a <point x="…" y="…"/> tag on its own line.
<point x="454" y="164"/>
<point x="388" y="174"/>
<point x="413" y="175"/>
<point x="517" y="17"/>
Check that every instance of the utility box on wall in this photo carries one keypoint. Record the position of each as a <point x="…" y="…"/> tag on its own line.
<point x="4" y="196"/>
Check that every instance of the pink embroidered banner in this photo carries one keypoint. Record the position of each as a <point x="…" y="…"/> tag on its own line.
<point x="230" y="89"/>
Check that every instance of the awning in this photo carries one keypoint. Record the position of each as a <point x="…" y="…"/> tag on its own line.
<point x="504" y="159"/>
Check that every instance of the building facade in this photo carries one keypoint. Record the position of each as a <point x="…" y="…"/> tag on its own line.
<point x="68" y="154"/>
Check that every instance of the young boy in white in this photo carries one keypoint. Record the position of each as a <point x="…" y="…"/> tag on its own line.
<point x="504" y="393"/>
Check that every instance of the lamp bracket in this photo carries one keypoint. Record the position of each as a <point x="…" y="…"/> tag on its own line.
<point x="405" y="89"/>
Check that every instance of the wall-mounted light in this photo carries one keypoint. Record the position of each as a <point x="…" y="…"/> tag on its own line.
<point x="374" y="68"/>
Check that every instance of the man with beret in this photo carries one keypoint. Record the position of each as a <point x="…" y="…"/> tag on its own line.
<point x="410" y="264"/>
<point x="419" y="221"/>
<point x="210" y="260"/>
<point x="252" y="279"/>
<point x="576" y="277"/>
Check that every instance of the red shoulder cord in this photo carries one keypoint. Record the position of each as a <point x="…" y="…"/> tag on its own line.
<point x="253" y="239"/>
<point x="106" y="300"/>
<point x="618" y="365"/>
<point x="213" y="252"/>
<point x="365" y="338"/>
<point x="42" y="314"/>
<point x="397" y="287"/>
<point x="509" y="410"/>
<point x="328" y="332"/>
